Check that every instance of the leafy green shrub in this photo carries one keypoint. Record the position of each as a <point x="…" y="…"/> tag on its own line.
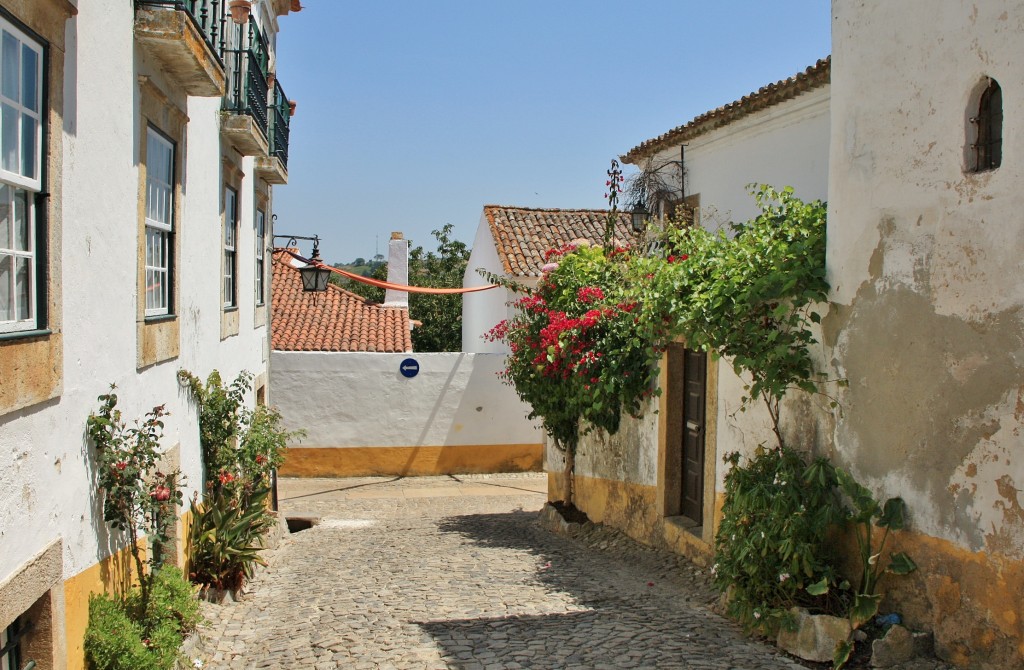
<point x="226" y="537"/>
<point x="771" y="544"/>
<point x="133" y="634"/>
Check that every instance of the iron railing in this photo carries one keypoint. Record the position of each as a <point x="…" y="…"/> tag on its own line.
<point x="206" y="15"/>
<point x="243" y="53"/>
<point x="280" y="119"/>
<point x="248" y="63"/>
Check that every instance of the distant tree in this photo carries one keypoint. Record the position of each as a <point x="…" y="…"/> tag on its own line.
<point x="441" y="315"/>
<point x="359" y="261"/>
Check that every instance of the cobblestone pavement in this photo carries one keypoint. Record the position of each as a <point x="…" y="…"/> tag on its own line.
<point x="442" y="572"/>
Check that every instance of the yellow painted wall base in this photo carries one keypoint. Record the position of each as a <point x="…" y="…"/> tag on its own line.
<point x="971" y="601"/>
<point x="112" y="574"/>
<point x="631" y="508"/>
<point x="410" y="461"/>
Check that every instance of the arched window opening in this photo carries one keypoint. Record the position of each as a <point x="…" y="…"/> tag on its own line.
<point x="988" y="148"/>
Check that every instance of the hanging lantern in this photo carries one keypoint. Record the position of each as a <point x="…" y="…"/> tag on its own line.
<point x="314" y="275"/>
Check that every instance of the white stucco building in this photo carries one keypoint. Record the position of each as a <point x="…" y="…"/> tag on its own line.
<point x="140" y="145"/>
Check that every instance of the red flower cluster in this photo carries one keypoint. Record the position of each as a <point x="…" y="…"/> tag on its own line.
<point x="561" y="251"/>
<point x="225" y="477"/>
<point x="161" y="493"/>
<point x="678" y="259"/>
<point x="589" y="294"/>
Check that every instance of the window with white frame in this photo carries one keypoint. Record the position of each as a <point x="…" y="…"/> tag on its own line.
<point x="159" y="222"/>
<point x="21" y="158"/>
<point x="261" y="243"/>
<point x="230" y="240"/>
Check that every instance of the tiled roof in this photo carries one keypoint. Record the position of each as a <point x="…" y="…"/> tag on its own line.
<point x="813" y="77"/>
<point x="522" y="235"/>
<point x="337" y="320"/>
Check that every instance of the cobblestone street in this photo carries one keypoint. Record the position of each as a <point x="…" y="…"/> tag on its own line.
<point x="444" y="572"/>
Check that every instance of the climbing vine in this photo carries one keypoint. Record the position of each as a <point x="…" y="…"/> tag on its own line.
<point x="586" y="342"/>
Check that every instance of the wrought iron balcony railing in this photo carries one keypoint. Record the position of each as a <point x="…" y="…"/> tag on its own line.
<point x="280" y="118"/>
<point x="247" y="62"/>
<point x="206" y="15"/>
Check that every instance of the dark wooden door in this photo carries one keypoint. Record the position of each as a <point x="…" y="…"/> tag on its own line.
<point x="695" y="364"/>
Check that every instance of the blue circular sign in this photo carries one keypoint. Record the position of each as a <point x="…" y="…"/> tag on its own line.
<point x="409" y="368"/>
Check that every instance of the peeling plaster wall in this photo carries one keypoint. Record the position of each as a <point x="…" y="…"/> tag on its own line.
<point x="362" y="400"/>
<point x="924" y="262"/>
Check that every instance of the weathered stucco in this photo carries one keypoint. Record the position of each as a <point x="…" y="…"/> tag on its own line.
<point x="925" y="324"/>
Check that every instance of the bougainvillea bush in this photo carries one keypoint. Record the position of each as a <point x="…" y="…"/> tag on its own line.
<point x="576" y="351"/>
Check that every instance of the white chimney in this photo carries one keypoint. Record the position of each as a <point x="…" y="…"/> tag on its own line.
<point x="398" y="271"/>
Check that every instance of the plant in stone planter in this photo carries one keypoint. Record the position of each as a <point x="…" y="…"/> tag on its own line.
<point x="866" y="513"/>
<point x="771" y="542"/>
<point x="240" y="10"/>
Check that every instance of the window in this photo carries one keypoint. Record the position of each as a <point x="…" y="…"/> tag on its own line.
<point x="21" y="158"/>
<point x="159" y="222"/>
<point x="261" y="243"/>
<point x="11" y="638"/>
<point x="230" y="240"/>
<point x="988" y="145"/>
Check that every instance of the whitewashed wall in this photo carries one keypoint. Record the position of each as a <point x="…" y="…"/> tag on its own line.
<point x="46" y="486"/>
<point x="784" y="145"/>
<point x="482" y="310"/>
<point x="925" y="263"/>
<point x="360" y="400"/>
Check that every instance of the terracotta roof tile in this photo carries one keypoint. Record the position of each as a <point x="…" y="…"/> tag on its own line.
<point x="522" y="235"/>
<point x="813" y="77"/>
<point x="337" y="320"/>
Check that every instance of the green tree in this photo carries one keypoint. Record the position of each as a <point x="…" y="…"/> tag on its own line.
<point x="440" y="315"/>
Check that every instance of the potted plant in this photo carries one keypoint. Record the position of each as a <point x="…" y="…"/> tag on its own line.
<point x="240" y="10"/>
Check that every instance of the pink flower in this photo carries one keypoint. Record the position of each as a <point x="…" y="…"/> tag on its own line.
<point x="549" y="267"/>
<point x="161" y="493"/>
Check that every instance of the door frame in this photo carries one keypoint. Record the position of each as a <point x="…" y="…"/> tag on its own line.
<point x="670" y="440"/>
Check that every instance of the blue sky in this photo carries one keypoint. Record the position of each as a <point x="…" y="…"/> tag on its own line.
<point x="414" y="114"/>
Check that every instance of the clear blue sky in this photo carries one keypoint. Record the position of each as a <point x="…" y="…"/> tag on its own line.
<point x="413" y="114"/>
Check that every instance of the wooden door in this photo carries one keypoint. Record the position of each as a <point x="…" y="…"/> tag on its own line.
<point x="695" y="365"/>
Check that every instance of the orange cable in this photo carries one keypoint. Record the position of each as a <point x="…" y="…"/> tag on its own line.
<point x="388" y="285"/>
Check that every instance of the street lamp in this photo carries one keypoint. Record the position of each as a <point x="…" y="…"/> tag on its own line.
<point x="315" y="274"/>
<point x="640" y="216"/>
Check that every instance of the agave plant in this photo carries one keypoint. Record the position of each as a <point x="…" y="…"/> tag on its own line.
<point x="226" y="537"/>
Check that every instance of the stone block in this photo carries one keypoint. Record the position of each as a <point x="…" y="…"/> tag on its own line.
<point x="897" y="646"/>
<point x="815" y="637"/>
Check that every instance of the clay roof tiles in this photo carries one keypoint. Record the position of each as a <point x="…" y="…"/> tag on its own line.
<point x="813" y="77"/>
<point x="337" y="320"/>
<point x="522" y="235"/>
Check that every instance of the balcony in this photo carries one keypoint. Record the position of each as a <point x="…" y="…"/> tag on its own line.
<point x="185" y="37"/>
<point x="274" y="167"/>
<point x="245" y="122"/>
